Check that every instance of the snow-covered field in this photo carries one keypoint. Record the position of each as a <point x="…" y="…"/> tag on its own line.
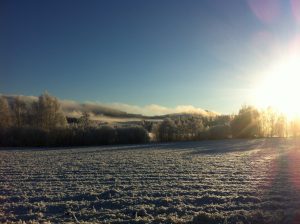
<point x="229" y="181"/>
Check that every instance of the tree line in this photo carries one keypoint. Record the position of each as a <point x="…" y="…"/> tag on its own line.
<point x="43" y="123"/>
<point x="248" y="123"/>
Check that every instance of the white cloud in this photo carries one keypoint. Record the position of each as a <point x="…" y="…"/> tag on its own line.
<point x="154" y="109"/>
<point x="74" y="108"/>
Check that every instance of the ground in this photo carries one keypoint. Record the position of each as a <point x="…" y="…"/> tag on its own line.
<point x="228" y="181"/>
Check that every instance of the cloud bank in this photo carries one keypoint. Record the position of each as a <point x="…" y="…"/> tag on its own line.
<point x="99" y="108"/>
<point x="156" y="110"/>
<point x="75" y="109"/>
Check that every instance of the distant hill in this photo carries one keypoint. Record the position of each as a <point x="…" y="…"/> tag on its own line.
<point x="100" y="112"/>
<point x="187" y="114"/>
<point x="72" y="108"/>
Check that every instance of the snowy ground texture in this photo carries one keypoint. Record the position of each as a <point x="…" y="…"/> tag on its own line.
<point x="230" y="181"/>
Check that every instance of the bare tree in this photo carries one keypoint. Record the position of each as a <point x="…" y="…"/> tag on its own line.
<point x="295" y="127"/>
<point x="19" y="111"/>
<point x="247" y="123"/>
<point x="280" y="126"/>
<point x="166" y="131"/>
<point x="84" y="120"/>
<point x="48" y="112"/>
<point x="5" y="113"/>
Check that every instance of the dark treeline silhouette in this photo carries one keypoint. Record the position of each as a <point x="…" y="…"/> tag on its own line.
<point x="43" y="123"/>
<point x="71" y="136"/>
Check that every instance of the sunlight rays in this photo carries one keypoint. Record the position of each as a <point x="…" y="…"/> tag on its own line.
<point x="280" y="87"/>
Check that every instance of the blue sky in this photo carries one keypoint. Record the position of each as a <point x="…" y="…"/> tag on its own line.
<point x="204" y="53"/>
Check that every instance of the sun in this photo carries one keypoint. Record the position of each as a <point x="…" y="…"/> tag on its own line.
<point x="280" y="87"/>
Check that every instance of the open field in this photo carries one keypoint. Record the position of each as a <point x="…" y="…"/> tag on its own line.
<point x="229" y="181"/>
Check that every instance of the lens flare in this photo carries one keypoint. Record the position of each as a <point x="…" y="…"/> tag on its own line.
<point x="266" y="11"/>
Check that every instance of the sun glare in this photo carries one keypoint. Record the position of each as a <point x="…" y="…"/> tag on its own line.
<point x="280" y="87"/>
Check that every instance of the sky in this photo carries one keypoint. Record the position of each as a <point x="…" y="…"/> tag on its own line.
<point x="207" y="54"/>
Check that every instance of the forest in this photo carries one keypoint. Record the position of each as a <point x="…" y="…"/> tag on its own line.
<point x="43" y="123"/>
